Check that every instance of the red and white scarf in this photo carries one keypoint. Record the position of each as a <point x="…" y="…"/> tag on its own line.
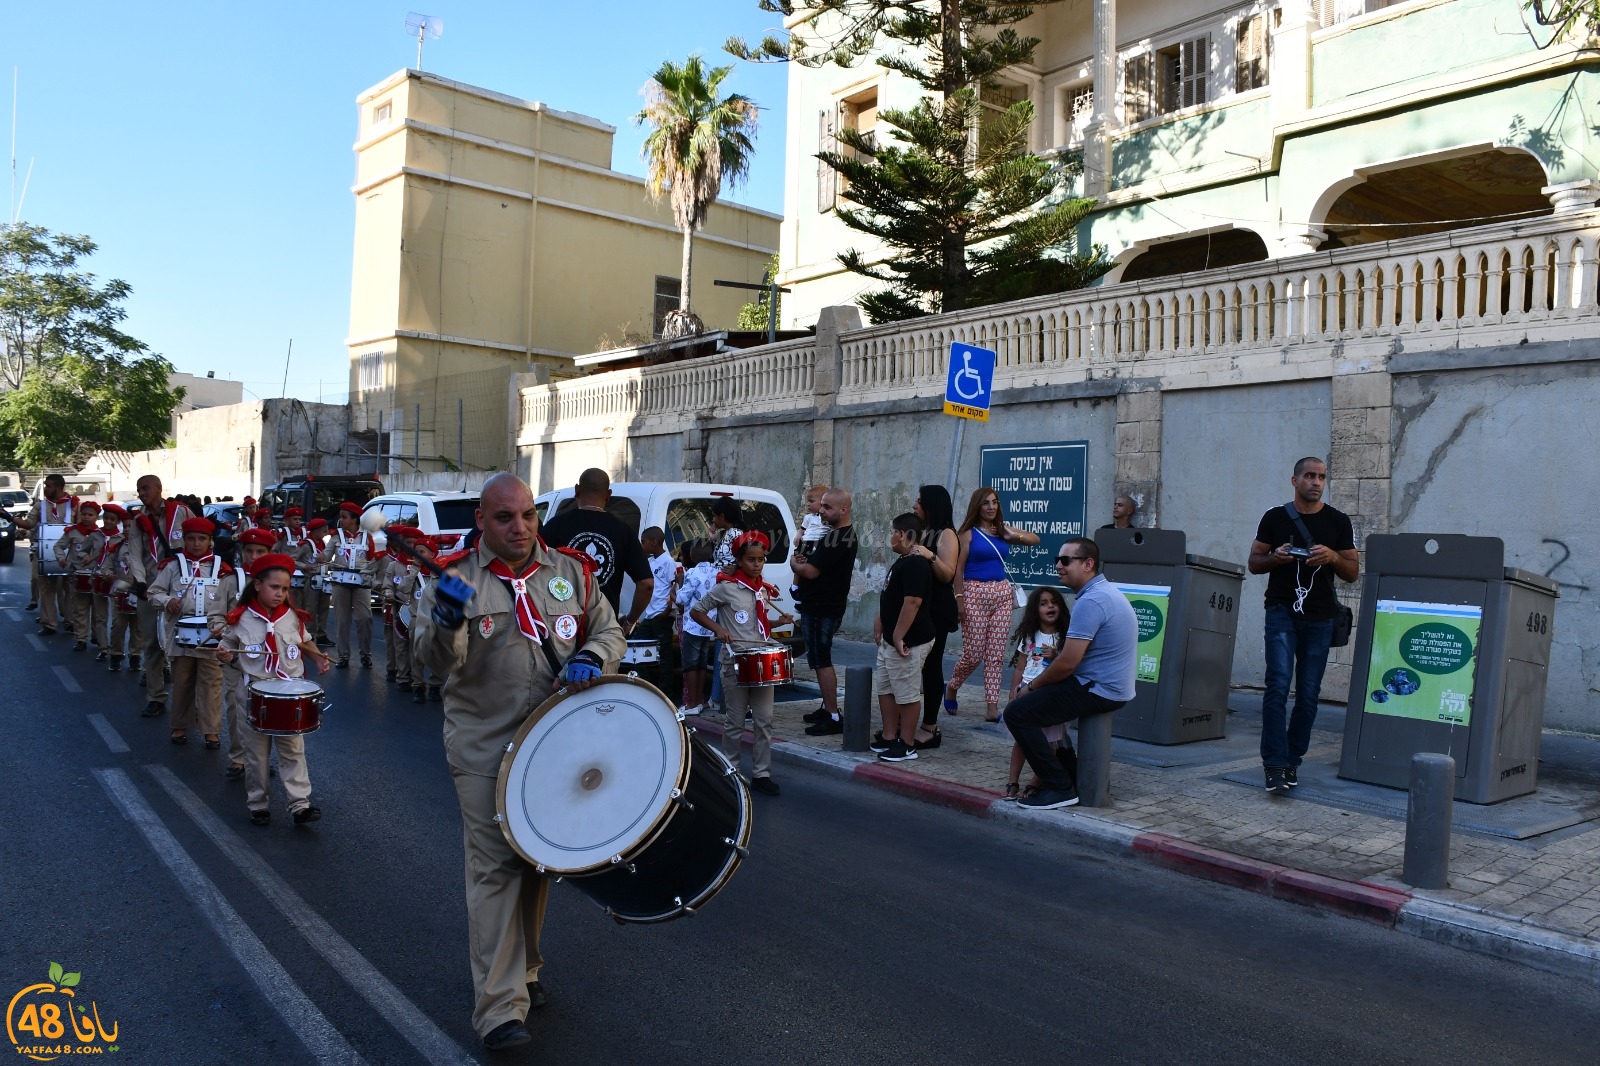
<point x="274" y="663"/>
<point x="528" y="620"/>
<point x="294" y="539"/>
<point x="152" y="536"/>
<point x="763" y="593"/>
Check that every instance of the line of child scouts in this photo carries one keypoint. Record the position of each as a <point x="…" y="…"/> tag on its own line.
<point x="259" y="631"/>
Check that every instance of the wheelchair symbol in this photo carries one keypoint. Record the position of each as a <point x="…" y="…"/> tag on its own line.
<point x="966" y="371"/>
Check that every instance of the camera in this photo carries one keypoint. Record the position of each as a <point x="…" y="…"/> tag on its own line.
<point x="1300" y="553"/>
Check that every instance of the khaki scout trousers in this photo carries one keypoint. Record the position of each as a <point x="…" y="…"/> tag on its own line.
<point x="196" y="693"/>
<point x="257" y="749"/>
<point x="317" y="604"/>
<point x="82" y="610"/>
<point x="99" y="616"/>
<point x="505" y="910"/>
<point x="235" y="701"/>
<point x="155" y="652"/>
<point x="352" y="603"/>
<point x="55" y="603"/>
<point x="758" y="699"/>
<point x="126" y="636"/>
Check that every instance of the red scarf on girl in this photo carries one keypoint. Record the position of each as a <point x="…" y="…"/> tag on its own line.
<point x="85" y="527"/>
<point x="273" y="664"/>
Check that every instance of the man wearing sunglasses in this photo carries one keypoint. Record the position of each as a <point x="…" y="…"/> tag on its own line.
<point x="1093" y="673"/>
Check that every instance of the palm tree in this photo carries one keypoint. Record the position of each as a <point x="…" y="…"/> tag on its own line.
<point x="696" y="142"/>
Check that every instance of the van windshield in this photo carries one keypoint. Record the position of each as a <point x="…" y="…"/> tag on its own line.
<point x="455" y="515"/>
<point x="690" y="519"/>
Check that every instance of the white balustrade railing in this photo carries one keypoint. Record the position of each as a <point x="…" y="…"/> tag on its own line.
<point x="1463" y="288"/>
<point x="1462" y="283"/>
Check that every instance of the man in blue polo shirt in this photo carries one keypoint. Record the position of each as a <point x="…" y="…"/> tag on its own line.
<point x="1092" y="674"/>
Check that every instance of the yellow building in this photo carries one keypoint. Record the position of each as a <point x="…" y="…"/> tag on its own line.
<point x="493" y="238"/>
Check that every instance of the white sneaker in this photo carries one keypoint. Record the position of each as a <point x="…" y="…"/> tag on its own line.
<point x="687" y="711"/>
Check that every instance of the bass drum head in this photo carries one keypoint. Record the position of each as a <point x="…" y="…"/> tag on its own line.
<point x="591" y="775"/>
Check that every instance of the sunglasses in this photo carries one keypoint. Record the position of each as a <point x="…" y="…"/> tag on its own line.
<point x="1063" y="560"/>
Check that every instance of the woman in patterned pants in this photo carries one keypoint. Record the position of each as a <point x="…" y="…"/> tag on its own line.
<point x="984" y="592"/>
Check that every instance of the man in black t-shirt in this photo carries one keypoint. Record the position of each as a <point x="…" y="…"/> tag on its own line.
<point x="606" y="539"/>
<point x="1300" y="546"/>
<point x="822" y="570"/>
<point x="903" y="632"/>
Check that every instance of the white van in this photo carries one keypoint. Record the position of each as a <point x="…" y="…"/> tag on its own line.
<point x="683" y="510"/>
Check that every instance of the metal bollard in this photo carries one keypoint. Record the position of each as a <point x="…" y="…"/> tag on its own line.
<point x="1094" y="760"/>
<point x="1433" y="781"/>
<point x="857" y="710"/>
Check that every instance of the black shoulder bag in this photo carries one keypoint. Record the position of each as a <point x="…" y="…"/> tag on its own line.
<point x="1345" y="620"/>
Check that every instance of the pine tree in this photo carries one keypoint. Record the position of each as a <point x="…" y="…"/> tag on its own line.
<point x="969" y="216"/>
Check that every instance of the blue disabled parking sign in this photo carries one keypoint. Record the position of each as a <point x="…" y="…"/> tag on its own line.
<point x="969" y="386"/>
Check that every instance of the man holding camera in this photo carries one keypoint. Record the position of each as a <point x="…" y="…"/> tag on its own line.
<point x="1300" y="545"/>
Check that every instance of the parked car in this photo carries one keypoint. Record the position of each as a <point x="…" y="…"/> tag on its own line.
<point x="226" y="514"/>
<point x="8" y="540"/>
<point x="15" y="503"/>
<point x="683" y="511"/>
<point x="435" y="513"/>
<point x="319" y="496"/>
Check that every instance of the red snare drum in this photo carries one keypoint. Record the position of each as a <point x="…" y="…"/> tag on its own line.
<point x="83" y="580"/>
<point x="762" y="665"/>
<point x="126" y="603"/>
<point x="102" y="585"/>
<point x="285" y="706"/>
<point x="402" y="621"/>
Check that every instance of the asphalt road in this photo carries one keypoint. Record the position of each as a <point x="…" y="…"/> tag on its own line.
<point x="865" y="928"/>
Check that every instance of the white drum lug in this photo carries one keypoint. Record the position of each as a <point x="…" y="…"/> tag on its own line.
<point x="677" y="793"/>
<point x="615" y="859"/>
<point x="511" y="747"/>
<point x="539" y="869"/>
<point x="744" y="852"/>
<point x="681" y="716"/>
<point x="499" y="819"/>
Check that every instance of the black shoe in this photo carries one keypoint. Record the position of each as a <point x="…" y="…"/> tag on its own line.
<point x="537" y="996"/>
<point x="323" y="641"/>
<point x="1291" y="777"/>
<point x="814" y="717"/>
<point x="307" y="814"/>
<point x="115" y="665"/>
<point x="101" y="656"/>
<point x="1048" y="799"/>
<point x="33" y="605"/>
<point x="897" y="752"/>
<point x="153" y="709"/>
<point x="932" y="742"/>
<point x="388" y="675"/>
<point x="134" y="665"/>
<point x="826" y="728"/>
<point x="878" y="743"/>
<point x="46" y="631"/>
<point x="366" y="662"/>
<point x="81" y="645"/>
<point x="1277" y="782"/>
<point x="436" y="694"/>
<point x="342" y="664"/>
<point x="233" y="772"/>
<point x="260" y="817"/>
<point x="506" y="1035"/>
<point x="418" y="695"/>
<point x="765" y="785"/>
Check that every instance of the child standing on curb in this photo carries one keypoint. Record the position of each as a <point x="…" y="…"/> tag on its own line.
<point x="1036" y="640"/>
<point x="696" y="658"/>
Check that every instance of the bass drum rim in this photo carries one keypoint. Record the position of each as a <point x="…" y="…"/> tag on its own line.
<point x="502" y="779"/>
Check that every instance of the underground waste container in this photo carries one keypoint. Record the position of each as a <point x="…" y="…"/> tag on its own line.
<point x="1188" y="611"/>
<point x="1452" y="651"/>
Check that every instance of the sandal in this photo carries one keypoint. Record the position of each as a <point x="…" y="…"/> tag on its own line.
<point x="1011" y="790"/>
<point x="179" y="737"/>
<point x="213" y="743"/>
<point x="932" y="742"/>
<point x="996" y="717"/>
<point x="951" y="706"/>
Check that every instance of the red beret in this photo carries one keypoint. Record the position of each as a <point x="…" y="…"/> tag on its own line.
<point x="353" y="508"/>
<point x="263" y="537"/>
<point x="249" y="501"/>
<point x="317" y="523"/>
<point x="263" y="512"/>
<point x="749" y="536"/>
<point x="199" y="525"/>
<point x="113" y="509"/>
<point x="294" y="512"/>
<point x="86" y="504"/>
<point x="272" y="562"/>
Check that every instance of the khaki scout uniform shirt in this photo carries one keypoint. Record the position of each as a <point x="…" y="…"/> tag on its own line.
<point x="303" y="551"/>
<point x="730" y="600"/>
<point x="77" y="550"/>
<point x="393" y="578"/>
<point x="199" y="594"/>
<point x="248" y="641"/>
<point x="495" y="676"/>
<point x="51" y="513"/>
<point x="352" y="553"/>
<point x="138" y="562"/>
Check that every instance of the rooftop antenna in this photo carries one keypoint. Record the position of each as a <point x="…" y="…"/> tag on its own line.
<point x="423" y="27"/>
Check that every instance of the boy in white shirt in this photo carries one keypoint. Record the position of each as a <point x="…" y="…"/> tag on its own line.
<point x="697" y="639"/>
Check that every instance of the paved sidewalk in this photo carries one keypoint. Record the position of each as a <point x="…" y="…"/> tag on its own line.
<point x="1527" y="870"/>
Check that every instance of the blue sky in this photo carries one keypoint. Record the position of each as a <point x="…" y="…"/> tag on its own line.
<point x="207" y="147"/>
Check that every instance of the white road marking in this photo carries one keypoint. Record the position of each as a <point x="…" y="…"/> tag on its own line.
<point x="16" y="615"/>
<point x="349" y="963"/>
<point x="38" y="645"/>
<point x="108" y="733"/>
<point x="68" y="682"/>
<point x="298" y="1012"/>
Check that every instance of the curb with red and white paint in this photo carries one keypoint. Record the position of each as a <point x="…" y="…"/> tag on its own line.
<point x="1445" y="922"/>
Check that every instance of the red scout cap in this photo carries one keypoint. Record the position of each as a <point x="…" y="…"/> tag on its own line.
<point x="317" y="523"/>
<point x="199" y="525"/>
<point x="353" y="508"/>
<point x="294" y="512"/>
<point x="273" y="561"/>
<point x="262" y="537"/>
<point x="113" y="509"/>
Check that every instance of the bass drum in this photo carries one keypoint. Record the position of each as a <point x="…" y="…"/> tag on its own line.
<point x="608" y="789"/>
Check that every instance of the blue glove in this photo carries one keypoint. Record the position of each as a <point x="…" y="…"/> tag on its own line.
<point x="583" y="666"/>
<point x="451" y="596"/>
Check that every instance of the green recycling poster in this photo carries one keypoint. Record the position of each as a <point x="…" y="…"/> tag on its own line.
<point x="1423" y="655"/>
<point x="1150" y="608"/>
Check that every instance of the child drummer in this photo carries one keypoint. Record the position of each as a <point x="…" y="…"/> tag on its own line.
<point x="123" y="621"/>
<point x="740" y="599"/>
<point x="253" y="544"/>
<point x="188" y="586"/>
<point x="77" y="552"/>
<point x="414" y="584"/>
<point x="269" y="637"/>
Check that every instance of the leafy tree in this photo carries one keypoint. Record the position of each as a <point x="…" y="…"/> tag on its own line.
<point x="74" y="381"/>
<point x="753" y="315"/>
<point x="969" y="215"/>
<point x="1562" y="17"/>
<point x="695" y="144"/>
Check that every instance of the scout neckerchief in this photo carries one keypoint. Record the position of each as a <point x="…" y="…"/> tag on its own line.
<point x="55" y="507"/>
<point x="190" y="569"/>
<point x="349" y="549"/>
<point x="85" y="528"/>
<point x="152" y="536"/>
<point x="528" y="619"/>
<point x="273" y="665"/>
<point x="113" y="541"/>
<point x="763" y="593"/>
<point x="294" y="539"/>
